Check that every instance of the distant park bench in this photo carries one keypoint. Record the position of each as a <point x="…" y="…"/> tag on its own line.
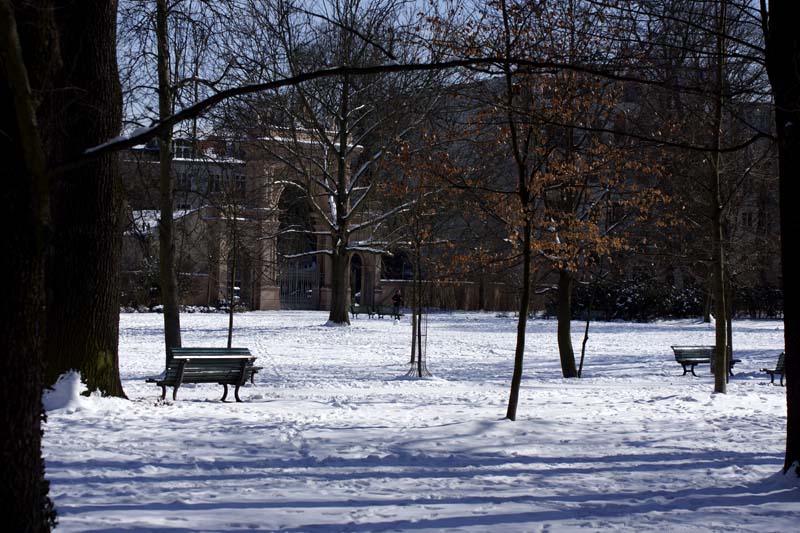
<point x="224" y="366"/>
<point x="780" y="368"/>
<point x="356" y="309"/>
<point x="377" y="310"/>
<point x="690" y="356"/>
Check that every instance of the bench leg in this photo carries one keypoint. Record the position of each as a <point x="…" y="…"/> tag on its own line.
<point x="781" y="380"/>
<point x="225" y="393"/>
<point x="695" y="375"/>
<point x="163" y="391"/>
<point x="236" y="394"/>
<point x="175" y="393"/>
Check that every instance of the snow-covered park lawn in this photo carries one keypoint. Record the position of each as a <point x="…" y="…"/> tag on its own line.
<point x="333" y="438"/>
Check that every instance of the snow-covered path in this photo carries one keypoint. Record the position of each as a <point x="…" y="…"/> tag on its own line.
<point x="333" y="438"/>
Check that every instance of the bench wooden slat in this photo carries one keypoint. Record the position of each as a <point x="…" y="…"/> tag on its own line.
<point x="201" y="358"/>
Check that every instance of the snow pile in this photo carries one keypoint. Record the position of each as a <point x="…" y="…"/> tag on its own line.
<point x="65" y="395"/>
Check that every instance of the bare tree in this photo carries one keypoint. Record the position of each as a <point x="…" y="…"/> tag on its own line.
<point x="175" y="71"/>
<point x="331" y="133"/>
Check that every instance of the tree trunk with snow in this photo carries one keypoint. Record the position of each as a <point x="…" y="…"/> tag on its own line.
<point x="83" y="282"/>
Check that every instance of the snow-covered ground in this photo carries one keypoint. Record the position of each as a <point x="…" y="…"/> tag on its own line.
<point x="333" y="438"/>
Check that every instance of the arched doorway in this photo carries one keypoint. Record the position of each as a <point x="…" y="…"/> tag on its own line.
<point x="356" y="276"/>
<point x="298" y="271"/>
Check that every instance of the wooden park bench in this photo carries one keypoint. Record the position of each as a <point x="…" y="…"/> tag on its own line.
<point x="690" y="356"/>
<point x="780" y="368"/>
<point x="378" y="310"/>
<point x="224" y="366"/>
<point x="357" y="309"/>
<point x="383" y="310"/>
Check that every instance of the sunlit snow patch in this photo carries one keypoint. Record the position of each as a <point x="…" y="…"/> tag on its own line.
<point x="66" y="394"/>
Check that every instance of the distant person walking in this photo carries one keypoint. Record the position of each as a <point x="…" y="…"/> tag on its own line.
<point x="397" y="302"/>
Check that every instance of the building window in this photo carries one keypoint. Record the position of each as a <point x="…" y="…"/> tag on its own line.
<point x="215" y="183"/>
<point x="184" y="182"/>
<point x="182" y="150"/>
<point x="240" y="183"/>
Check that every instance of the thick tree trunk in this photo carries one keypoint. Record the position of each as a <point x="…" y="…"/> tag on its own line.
<point x="783" y="66"/>
<point x="340" y="297"/>
<point x="24" y="503"/>
<point x="340" y="280"/>
<point x="83" y="262"/>
<point x="564" y="315"/>
<point x="168" y="278"/>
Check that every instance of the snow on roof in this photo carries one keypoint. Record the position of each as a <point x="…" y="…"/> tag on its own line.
<point x="146" y="221"/>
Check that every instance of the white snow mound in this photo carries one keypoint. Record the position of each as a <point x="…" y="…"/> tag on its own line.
<point x="66" y="394"/>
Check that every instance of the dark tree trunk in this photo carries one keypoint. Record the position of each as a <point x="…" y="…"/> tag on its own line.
<point x="83" y="260"/>
<point x="783" y="66"/>
<point x="720" y="326"/>
<point x="586" y="328"/>
<point x="232" y="282"/>
<point x="340" y="280"/>
<point x="564" y="315"/>
<point x="24" y="503"/>
<point x="166" y="236"/>
<point x="729" y="325"/>
<point x="717" y="220"/>
<point x="340" y="297"/>
<point x="522" y="323"/>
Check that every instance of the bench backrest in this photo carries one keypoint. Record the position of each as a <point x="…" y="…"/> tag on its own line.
<point x="693" y="352"/>
<point x="200" y="351"/>
<point x="210" y="369"/>
<point x="781" y="366"/>
<point x="210" y="365"/>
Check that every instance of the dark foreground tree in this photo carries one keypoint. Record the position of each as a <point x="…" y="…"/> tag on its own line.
<point x="84" y="109"/>
<point x="783" y="65"/>
<point x="24" y="503"/>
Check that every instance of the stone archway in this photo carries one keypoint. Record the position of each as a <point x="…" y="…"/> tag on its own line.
<point x="298" y="270"/>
